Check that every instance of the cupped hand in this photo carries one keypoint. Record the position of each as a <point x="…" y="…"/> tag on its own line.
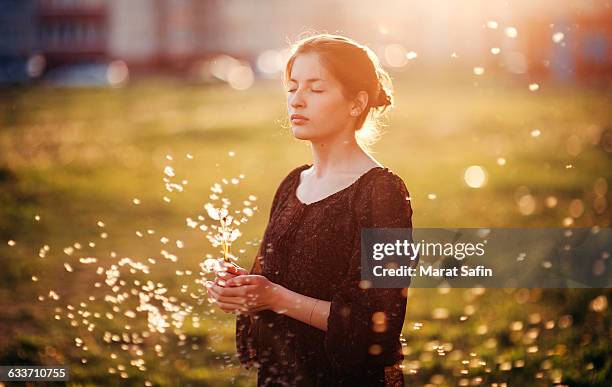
<point x="245" y="293"/>
<point x="228" y="270"/>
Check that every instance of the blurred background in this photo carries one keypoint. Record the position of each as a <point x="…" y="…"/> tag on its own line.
<point x="118" y="117"/>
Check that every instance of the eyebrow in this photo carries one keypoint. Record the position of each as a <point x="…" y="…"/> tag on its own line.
<point x="308" y="80"/>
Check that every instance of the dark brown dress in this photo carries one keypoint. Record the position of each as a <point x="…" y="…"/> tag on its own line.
<point x="314" y="250"/>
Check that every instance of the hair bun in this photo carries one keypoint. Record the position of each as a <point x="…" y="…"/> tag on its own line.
<point x="384" y="99"/>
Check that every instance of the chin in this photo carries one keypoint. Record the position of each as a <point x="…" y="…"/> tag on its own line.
<point x="301" y="133"/>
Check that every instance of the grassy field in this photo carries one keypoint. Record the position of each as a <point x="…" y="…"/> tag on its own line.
<point x="72" y="158"/>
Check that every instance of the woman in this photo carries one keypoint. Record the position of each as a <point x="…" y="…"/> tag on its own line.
<point x="305" y="318"/>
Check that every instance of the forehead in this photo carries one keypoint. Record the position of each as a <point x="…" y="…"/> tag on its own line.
<point x="308" y="67"/>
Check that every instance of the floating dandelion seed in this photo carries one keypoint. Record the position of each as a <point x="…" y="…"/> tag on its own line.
<point x="557" y="37"/>
<point x="169" y="171"/>
<point x="411" y="55"/>
<point x="168" y="157"/>
<point x="492" y="24"/>
<point x="475" y="176"/>
<point x="534" y="87"/>
<point x="478" y="70"/>
<point x="440" y="313"/>
<point x="501" y="161"/>
<point x="432" y="196"/>
<point x="526" y="204"/>
<point x="511" y="32"/>
<point x="136" y="201"/>
<point x="495" y="50"/>
<point x="37" y="218"/>
<point x="43" y="251"/>
<point x="231" y="153"/>
<point x="11" y="243"/>
<point x="599" y="304"/>
<point x="189" y="156"/>
<point x="536" y="133"/>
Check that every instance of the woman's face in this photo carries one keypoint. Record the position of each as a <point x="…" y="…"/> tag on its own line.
<point x="317" y="108"/>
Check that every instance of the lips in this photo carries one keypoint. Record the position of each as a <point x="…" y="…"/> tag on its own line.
<point x="298" y="119"/>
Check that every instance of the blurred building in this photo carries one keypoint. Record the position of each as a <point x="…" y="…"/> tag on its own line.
<point x="573" y="41"/>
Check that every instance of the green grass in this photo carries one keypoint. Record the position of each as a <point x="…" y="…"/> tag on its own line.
<point x="78" y="156"/>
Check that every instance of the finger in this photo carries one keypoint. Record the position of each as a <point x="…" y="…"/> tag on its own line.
<point x="221" y="281"/>
<point x="234" y="291"/>
<point x="228" y="299"/>
<point x="227" y="307"/>
<point x="224" y="276"/>
<point x="240" y="270"/>
<point x="242" y="280"/>
<point x="231" y="267"/>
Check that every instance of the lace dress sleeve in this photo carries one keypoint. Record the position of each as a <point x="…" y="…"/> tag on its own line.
<point x="364" y="324"/>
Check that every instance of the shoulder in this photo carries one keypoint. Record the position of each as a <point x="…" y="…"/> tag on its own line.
<point x="383" y="199"/>
<point x="285" y="186"/>
<point x="383" y="181"/>
<point x="292" y="176"/>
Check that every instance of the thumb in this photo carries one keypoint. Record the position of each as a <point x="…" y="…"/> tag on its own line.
<point x="235" y="269"/>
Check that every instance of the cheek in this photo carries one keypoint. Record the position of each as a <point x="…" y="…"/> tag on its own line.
<point x="328" y="107"/>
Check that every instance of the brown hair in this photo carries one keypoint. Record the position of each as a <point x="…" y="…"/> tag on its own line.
<point x="357" y="68"/>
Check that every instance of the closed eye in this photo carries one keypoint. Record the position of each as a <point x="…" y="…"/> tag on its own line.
<point x="314" y="91"/>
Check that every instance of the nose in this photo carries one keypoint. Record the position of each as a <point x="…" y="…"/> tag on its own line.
<point x="297" y="99"/>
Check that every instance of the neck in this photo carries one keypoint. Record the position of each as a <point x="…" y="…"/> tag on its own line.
<point x="336" y="155"/>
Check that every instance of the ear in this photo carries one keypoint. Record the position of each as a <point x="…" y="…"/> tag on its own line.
<point x="360" y="102"/>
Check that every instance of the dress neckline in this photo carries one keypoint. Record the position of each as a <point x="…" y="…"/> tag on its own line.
<point x="299" y="178"/>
